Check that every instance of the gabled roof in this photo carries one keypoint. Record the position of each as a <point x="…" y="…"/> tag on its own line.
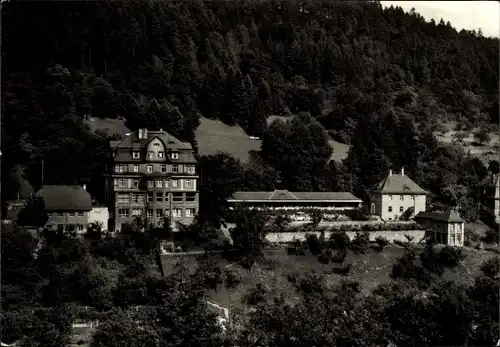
<point x="398" y="184"/>
<point x="65" y="198"/>
<point x="449" y="216"/>
<point x="132" y="141"/>
<point x="281" y="195"/>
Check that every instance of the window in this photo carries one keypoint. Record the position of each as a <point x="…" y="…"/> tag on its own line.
<point x="121" y="168"/>
<point x="175" y="168"/>
<point x="174" y="183"/>
<point x="166" y="197"/>
<point x="159" y="183"/>
<point x="400" y="208"/>
<point x="121" y="182"/>
<point x="60" y="214"/>
<point x="402" y="198"/>
<point x="159" y="196"/>
<point x="151" y="155"/>
<point x="190" y="212"/>
<point x="164" y="168"/>
<point x="72" y="214"/>
<point x="60" y="226"/>
<point x="156" y="144"/>
<point x="390" y="208"/>
<point x="159" y="213"/>
<point x="123" y="212"/>
<point x="190" y="169"/>
<point x="80" y="227"/>
<point x="191" y="197"/>
<point x="177" y="197"/>
<point x="123" y="198"/>
<point x="175" y="155"/>
<point x="150" y="196"/>
<point x="188" y="183"/>
<point x="150" y="168"/>
<point x="166" y="183"/>
<point x="177" y="212"/>
<point x="136" y="168"/>
<point x="49" y="226"/>
<point x="390" y="197"/>
<point x="150" y="184"/>
<point x="135" y="183"/>
<point x="160" y="154"/>
<point x="137" y="212"/>
<point x="136" y="155"/>
<point x="149" y="213"/>
<point x="80" y="214"/>
<point x="138" y="198"/>
<point x="167" y="212"/>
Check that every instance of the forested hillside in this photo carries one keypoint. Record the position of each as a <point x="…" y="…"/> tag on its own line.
<point x="379" y="79"/>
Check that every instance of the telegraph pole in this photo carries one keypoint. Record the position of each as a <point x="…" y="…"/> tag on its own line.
<point x="42" y="174"/>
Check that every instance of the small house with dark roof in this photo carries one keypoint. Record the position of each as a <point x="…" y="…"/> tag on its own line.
<point x="68" y="207"/>
<point x="448" y="227"/>
<point x="285" y="200"/>
<point x="395" y="194"/>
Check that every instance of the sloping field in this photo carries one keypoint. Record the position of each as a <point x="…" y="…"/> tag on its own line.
<point x="110" y="126"/>
<point x="486" y="152"/>
<point x="370" y="269"/>
<point x="214" y="136"/>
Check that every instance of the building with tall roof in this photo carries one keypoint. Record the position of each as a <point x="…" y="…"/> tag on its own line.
<point x="285" y="200"/>
<point x="448" y="227"/>
<point x="488" y="193"/>
<point x="151" y="175"/>
<point x="67" y="207"/>
<point x="395" y="194"/>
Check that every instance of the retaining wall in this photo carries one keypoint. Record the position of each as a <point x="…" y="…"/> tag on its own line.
<point x="390" y="235"/>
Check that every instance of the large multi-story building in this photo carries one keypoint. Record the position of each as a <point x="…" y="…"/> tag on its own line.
<point x="396" y="194"/>
<point x="489" y="194"/>
<point x="152" y="175"/>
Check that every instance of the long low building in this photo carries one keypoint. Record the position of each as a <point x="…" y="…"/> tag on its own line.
<point x="285" y="200"/>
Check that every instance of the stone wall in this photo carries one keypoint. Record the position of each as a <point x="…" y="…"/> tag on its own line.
<point x="390" y="235"/>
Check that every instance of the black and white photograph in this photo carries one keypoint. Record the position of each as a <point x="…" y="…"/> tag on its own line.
<point x="249" y="173"/>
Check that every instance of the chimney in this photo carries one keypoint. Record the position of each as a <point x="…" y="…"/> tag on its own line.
<point x="390" y="173"/>
<point x="402" y="171"/>
<point x="143" y="133"/>
<point x="84" y="186"/>
<point x="161" y="131"/>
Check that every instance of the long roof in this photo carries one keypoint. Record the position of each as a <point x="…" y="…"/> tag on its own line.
<point x="132" y="141"/>
<point x="449" y="216"/>
<point x="65" y="198"/>
<point x="398" y="184"/>
<point x="285" y="195"/>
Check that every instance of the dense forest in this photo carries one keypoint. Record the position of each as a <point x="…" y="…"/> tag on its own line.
<point x="377" y="78"/>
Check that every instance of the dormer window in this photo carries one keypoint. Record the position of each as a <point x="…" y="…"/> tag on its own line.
<point x="160" y="154"/>
<point x="136" y="155"/>
<point x="156" y="145"/>
<point x="151" y="155"/>
<point x="175" y="155"/>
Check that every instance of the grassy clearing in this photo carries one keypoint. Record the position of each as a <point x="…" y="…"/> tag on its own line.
<point x="486" y="152"/>
<point x="214" y="136"/>
<point x="110" y="126"/>
<point x="370" y="269"/>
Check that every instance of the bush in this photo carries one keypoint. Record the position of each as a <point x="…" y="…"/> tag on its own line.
<point x="339" y="256"/>
<point x="325" y="256"/>
<point x="313" y="244"/>
<point x="255" y="295"/>
<point x="381" y="242"/>
<point x="296" y="248"/>
<point x="491" y="236"/>
<point x="231" y="279"/>
<point x="471" y="235"/>
<point x="361" y="242"/>
<point x="451" y="256"/>
<point x="339" y="241"/>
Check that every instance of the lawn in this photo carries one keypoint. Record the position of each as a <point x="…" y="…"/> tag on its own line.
<point x="370" y="269"/>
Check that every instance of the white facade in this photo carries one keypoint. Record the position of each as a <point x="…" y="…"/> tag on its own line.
<point x="392" y="206"/>
<point x="99" y="215"/>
